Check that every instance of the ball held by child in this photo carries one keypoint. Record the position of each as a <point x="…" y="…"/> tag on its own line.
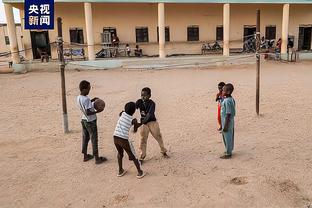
<point x="99" y="105"/>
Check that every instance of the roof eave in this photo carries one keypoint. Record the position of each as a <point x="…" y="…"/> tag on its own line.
<point x="180" y="1"/>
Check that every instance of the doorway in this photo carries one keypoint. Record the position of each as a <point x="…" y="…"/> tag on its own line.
<point x="304" y="40"/>
<point x="40" y="42"/>
<point x="249" y="32"/>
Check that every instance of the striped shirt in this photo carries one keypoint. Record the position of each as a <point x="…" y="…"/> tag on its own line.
<point x="123" y="126"/>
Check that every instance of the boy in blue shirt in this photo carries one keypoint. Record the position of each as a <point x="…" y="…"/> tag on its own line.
<point x="227" y="120"/>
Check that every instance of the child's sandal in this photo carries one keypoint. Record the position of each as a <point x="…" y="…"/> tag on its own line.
<point x="122" y="174"/>
<point x="141" y="176"/>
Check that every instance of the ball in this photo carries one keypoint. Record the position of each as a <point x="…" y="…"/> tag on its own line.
<point x="99" y="105"/>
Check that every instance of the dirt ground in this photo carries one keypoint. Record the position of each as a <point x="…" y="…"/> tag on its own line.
<point x="271" y="166"/>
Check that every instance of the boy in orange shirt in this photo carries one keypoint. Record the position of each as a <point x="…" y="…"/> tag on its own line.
<point x="219" y="99"/>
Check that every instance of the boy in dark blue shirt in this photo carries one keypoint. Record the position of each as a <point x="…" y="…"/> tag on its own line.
<point x="149" y="123"/>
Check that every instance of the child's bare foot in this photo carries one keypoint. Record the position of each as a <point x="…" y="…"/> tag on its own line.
<point x="121" y="173"/>
<point x="87" y="157"/>
<point x="141" y="175"/>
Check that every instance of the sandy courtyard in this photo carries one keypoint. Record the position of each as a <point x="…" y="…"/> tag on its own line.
<point x="271" y="166"/>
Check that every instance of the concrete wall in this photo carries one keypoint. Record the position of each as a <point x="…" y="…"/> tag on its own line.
<point x="4" y="32"/>
<point x="126" y="17"/>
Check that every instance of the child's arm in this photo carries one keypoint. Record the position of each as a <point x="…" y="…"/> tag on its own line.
<point x="227" y="122"/>
<point x="136" y="125"/>
<point x="229" y="112"/>
<point x="89" y="112"/>
<point x="137" y="104"/>
<point x="89" y="105"/>
<point x="217" y="97"/>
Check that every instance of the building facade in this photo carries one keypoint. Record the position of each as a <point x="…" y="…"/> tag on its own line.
<point x="173" y="27"/>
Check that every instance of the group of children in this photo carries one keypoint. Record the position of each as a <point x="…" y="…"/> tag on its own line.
<point x="148" y="124"/>
<point x="137" y="51"/>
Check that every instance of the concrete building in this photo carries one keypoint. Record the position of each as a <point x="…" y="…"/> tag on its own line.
<point x="169" y="26"/>
<point x="4" y="37"/>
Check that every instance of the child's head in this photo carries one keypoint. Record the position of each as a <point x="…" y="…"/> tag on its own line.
<point x="127" y="45"/>
<point x="137" y="46"/>
<point x="146" y="93"/>
<point x="130" y="108"/>
<point x="220" y="86"/>
<point x="84" y="87"/>
<point x="228" y="89"/>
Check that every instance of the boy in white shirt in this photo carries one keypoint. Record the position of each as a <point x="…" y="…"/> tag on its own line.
<point x="122" y="142"/>
<point x="88" y="121"/>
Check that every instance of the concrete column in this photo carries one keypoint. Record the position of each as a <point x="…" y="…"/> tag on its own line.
<point x="26" y="40"/>
<point x="161" y="29"/>
<point x="21" y="45"/>
<point x="285" y="24"/>
<point x="89" y="28"/>
<point x="226" y="29"/>
<point x="12" y="33"/>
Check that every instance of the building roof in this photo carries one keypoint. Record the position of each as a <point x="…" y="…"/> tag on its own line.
<point x="181" y="1"/>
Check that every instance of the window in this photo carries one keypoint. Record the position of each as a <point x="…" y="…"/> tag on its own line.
<point x="107" y="35"/>
<point x="76" y="35"/>
<point x="141" y="34"/>
<point x="167" y="34"/>
<point x="111" y="30"/>
<point x="192" y="33"/>
<point x="219" y="33"/>
<point x="270" y="32"/>
<point x="7" y="40"/>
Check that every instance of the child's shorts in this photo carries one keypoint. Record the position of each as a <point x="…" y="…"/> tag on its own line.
<point x="124" y="144"/>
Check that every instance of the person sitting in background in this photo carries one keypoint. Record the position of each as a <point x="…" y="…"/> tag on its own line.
<point x="128" y="50"/>
<point x="278" y="49"/>
<point x="290" y="45"/>
<point x="279" y="45"/>
<point x="263" y="43"/>
<point x="138" y="52"/>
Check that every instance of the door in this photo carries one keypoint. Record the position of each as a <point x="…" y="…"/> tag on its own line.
<point x="249" y="31"/>
<point x="304" y="41"/>
<point x="40" y="40"/>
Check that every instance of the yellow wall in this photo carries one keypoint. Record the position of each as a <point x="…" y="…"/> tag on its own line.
<point x="125" y="17"/>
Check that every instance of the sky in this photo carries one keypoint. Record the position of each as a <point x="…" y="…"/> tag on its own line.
<point x="2" y="14"/>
